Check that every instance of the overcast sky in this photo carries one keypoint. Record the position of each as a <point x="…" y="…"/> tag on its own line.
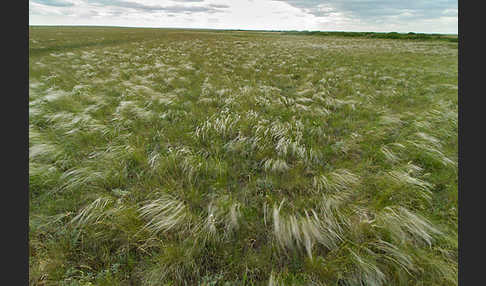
<point x="426" y="16"/>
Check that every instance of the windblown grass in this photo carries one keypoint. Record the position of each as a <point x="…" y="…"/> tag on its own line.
<point x="172" y="157"/>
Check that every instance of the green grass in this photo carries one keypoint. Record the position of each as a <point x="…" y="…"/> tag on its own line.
<point x="185" y="157"/>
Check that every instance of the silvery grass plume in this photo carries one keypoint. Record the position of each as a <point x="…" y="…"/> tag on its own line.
<point x="35" y="110"/>
<point x="43" y="222"/>
<point x="318" y="132"/>
<point x="276" y="131"/>
<point x="275" y="165"/>
<point x="406" y="178"/>
<point x="270" y="90"/>
<point x="320" y="110"/>
<point x="404" y="226"/>
<point x="178" y="263"/>
<point x="113" y="152"/>
<point x="274" y="280"/>
<point x="428" y="138"/>
<point x="223" y="93"/>
<point x="173" y="115"/>
<point x="303" y="93"/>
<point x="297" y="232"/>
<point x="84" y="123"/>
<point x="206" y="88"/>
<point x="58" y="118"/>
<point x="190" y="166"/>
<point x="243" y="145"/>
<point x="233" y="217"/>
<point x="54" y="95"/>
<point x="252" y="115"/>
<point x="81" y="89"/>
<point x="263" y="100"/>
<point x="154" y="159"/>
<point x="223" y="125"/>
<point x="420" y="124"/>
<point x="286" y="146"/>
<point x="300" y="107"/>
<point x="72" y="124"/>
<point x="39" y="169"/>
<point x="103" y="218"/>
<point x="230" y="100"/>
<point x="165" y="214"/>
<point x="80" y="177"/>
<point x="92" y="108"/>
<point x="285" y="133"/>
<point x="345" y="145"/>
<point x="246" y="90"/>
<point x="365" y="271"/>
<point x="331" y="216"/>
<point x="319" y="96"/>
<point x="393" y="254"/>
<point x="220" y="222"/>
<point x="286" y="101"/>
<point x="166" y="99"/>
<point x="335" y="104"/>
<point x="390" y="156"/>
<point x="45" y="174"/>
<point x="208" y="229"/>
<point x="390" y="119"/>
<point x="412" y="169"/>
<point x="332" y="202"/>
<point x="313" y="157"/>
<point x="127" y="109"/>
<point x="94" y="213"/>
<point x="34" y="135"/>
<point x="403" y="177"/>
<point x="444" y="114"/>
<point x="335" y="181"/>
<point x="388" y="150"/>
<point x="44" y="152"/>
<point x="431" y="146"/>
<point x="259" y="142"/>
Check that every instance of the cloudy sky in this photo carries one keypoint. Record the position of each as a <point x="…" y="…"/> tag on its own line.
<point x="427" y="16"/>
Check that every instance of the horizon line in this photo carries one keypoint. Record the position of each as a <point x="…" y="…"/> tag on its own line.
<point x="237" y="29"/>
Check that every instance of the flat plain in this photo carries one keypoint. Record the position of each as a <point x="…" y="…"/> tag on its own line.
<point x="200" y="157"/>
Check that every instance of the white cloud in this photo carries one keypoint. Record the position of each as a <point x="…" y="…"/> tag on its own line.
<point x="251" y="14"/>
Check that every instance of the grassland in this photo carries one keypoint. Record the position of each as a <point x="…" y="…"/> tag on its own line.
<point x="375" y="35"/>
<point x="183" y="157"/>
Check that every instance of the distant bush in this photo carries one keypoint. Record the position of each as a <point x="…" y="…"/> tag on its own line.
<point x="391" y="35"/>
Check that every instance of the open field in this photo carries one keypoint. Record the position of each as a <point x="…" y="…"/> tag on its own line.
<point x="374" y="35"/>
<point x="185" y="157"/>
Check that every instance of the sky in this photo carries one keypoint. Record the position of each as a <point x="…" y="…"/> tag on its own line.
<point x="420" y="16"/>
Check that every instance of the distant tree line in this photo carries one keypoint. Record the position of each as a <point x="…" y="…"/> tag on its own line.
<point x="391" y="35"/>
